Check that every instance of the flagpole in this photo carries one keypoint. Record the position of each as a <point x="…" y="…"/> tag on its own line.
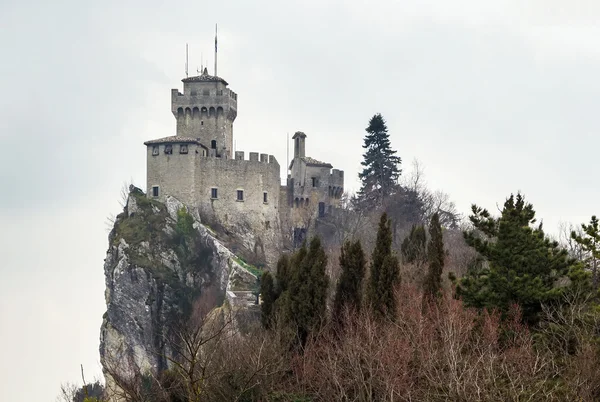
<point x="215" y="50"/>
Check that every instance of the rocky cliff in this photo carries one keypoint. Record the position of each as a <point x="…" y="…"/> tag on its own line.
<point x="160" y="260"/>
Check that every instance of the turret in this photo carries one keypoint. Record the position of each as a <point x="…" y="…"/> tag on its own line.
<point x="299" y="144"/>
<point x="206" y="111"/>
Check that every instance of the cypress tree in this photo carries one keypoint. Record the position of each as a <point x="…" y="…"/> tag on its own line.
<point x="282" y="274"/>
<point x="435" y="254"/>
<point x="385" y="272"/>
<point x="307" y="289"/>
<point x="523" y="264"/>
<point x="414" y="246"/>
<point x="267" y="291"/>
<point x="349" y="286"/>
<point x="380" y="174"/>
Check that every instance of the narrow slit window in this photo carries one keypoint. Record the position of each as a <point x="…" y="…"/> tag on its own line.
<point x="154" y="191"/>
<point x="265" y="197"/>
<point x="214" y="193"/>
<point x="240" y="195"/>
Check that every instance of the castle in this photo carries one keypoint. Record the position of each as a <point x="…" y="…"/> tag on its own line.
<point x="242" y="197"/>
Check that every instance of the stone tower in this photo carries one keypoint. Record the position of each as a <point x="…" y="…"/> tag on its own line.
<point x="205" y="111"/>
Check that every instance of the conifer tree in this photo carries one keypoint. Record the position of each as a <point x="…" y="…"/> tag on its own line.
<point x="523" y="264"/>
<point x="349" y="286"/>
<point x="282" y="274"/>
<point x="307" y="289"/>
<point x="435" y="254"/>
<point x="385" y="272"/>
<point x="267" y="291"/>
<point x="381" y="166"/>
<point x="590" y="243"/>
<point x="414" y="246"/>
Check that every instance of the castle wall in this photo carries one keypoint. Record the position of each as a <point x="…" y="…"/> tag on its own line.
<point x="174" y="173"/>
<point x="257" y="220"/>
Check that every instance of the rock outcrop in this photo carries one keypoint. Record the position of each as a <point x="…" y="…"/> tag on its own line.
<point x="159" y="261"/>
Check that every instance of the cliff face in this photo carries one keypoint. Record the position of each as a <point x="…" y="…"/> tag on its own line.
<point x="160" y="260"/>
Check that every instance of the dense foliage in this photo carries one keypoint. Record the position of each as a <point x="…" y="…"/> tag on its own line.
<point x="524" y="265"/>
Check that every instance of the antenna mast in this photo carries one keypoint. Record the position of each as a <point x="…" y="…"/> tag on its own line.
<point x="186" y="59"/>
<point x="215" y="50"/>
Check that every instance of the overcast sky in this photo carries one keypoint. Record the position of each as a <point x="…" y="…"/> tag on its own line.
<point x="491" y="97"/>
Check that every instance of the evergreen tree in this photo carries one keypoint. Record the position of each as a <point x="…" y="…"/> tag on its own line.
<point x="380" y="173"/>
<point x="349" y="286"/>
<point x="523" y="264"/>
<point x="385" y="272"/>
<point x="282" y="274"/>
<point x="267" y="291"/>
<point x="308" y="284"/>
<point x="590" y="243"/>
<point x="435" y="254"/>
<point x="414" y="246"/>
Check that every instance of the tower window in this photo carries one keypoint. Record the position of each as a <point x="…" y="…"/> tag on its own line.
<point x="183" y="149"/>
<point x="213" y="193"/>
<point x="240" y="195"/>
<point x="154" y="191"/>
<point x="315" y="182"/>
<point x="213" y="144"/>
<point x="155" y="150"/>
<point x="168" y="149"/>
<point x="265" y="197"/>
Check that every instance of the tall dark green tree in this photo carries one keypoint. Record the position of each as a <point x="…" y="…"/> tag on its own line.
<point x="385" y="273"/>
<point x="435" y="256"/>
<point x="523" y="265"/>
<point x="414" y="246"/>
<point x="282" y="274"/>
<point x="381" y="165"/>
<point x="349" y="287"/>
<point x="307" y="289"/>
<point x="268" y="295"/>
<point x="589" y="241"/>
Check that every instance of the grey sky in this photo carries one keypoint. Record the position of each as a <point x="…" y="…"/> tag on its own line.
<point x="491" y="97"/>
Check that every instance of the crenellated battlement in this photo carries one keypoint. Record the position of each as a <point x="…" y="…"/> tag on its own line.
<point x="239" y="191"/>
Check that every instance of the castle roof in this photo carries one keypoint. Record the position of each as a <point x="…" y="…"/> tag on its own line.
<point x="205" y="77"/>
<point x="173" y="138"/>
<point x="312" y="162"/>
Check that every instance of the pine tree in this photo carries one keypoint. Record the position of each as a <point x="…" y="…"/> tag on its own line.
<point x="590" y="243"/>
<point x="523" y="264"/>
<point x="267" y="291"/>
<point x="307" y="289"/>
<point x="385" y="272"/>
<point x="380" y="174"/>
<point x="435" y="254"/>
<point x="349" y="286"/>
<point x="414" y="246"/>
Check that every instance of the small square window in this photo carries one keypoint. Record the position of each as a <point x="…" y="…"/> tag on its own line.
<point x="240" y="195"/>
<point x="213" y="193"/>
<point x="155" y="150"/>
<point x="183" y="149"/>
<point x="206" y="92"/>
<point x="265" y="197"/>
<point x="154" y="191"/>
<point x="168" y="149"/>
